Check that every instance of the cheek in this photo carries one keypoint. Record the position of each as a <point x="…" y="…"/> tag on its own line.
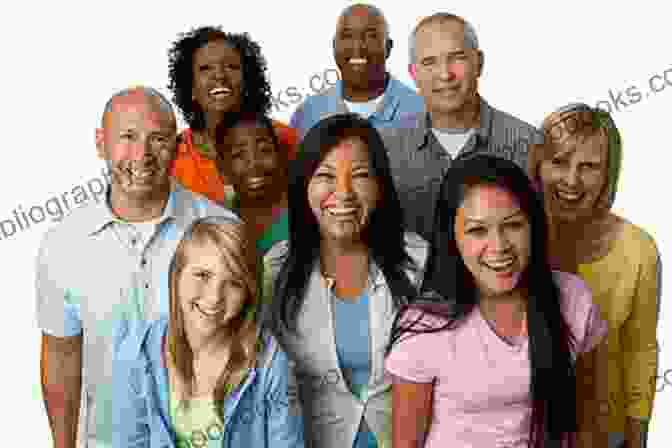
<point x="120" y="151"/>
<point x="318" y="194"/>
<point x="270" y="163"/>
<point x="458" y="69"/>
<point x="188" y="290"/>
<point x="472" y="247"/>
<point x="368" y="192"/>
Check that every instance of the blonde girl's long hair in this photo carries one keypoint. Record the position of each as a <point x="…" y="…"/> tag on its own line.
<point x="230" y="237"/>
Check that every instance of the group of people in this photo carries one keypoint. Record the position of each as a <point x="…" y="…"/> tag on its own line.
<point x="391" y="269"/>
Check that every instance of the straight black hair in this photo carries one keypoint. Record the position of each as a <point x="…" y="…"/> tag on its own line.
<point x="449" y="291"/>
<point x="384" y="235"/>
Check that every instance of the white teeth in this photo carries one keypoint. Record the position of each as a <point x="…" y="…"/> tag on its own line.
<point x="220" y="90"/>
<point x="142" y="174"/>
<point x="357" y="60"/>
<point x="341" y="211"/>
<point x="568" y="196"/>
<point x="499" y="264"/>
<point x="207" y="311"/>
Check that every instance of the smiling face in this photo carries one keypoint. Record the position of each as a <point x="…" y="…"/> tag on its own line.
<point x="343" y="192"/>
<point x="138" y="142"/>
<point x="493" y="238"/>
<point x="359" y="48"/>
<point x="209" y="292"/>
<point x="217" y="77"/>
<point x="574" y="177"/>
<point x="249" y="157"/>
<point x="446" y="72"/>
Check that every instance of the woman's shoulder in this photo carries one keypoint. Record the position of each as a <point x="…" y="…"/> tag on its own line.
<point x="275" y="256"/>
<point x="638" y="241"/>
<point x="576" y="297"/>
<point x="135" y="338"/>
<point x="416" y="247"/>
<point x="271" y="357"/>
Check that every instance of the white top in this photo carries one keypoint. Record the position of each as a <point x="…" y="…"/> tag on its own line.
<point x="365" y="109"/>
<point x="453" y="140"/>
<point x="88" y="274"/>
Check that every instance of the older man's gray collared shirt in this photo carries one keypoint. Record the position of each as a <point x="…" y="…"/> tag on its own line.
<point x="419" y="162"/>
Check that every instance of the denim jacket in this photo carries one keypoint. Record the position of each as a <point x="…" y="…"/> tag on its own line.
<point x="259" y="413"/>
<point x="331" y="412"/>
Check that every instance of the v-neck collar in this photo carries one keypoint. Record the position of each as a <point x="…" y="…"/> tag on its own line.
<point x="492" y="339"/>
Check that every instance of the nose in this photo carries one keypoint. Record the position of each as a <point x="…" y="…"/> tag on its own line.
<point x="446" y="70"/>
<point x="358" y="46"/>
<point x="571" y="177"/>
<point x="344" y="182"/>
<point x="500" y="241"/>
<point x="219" y="72"/>
<point x="141" y="150"/>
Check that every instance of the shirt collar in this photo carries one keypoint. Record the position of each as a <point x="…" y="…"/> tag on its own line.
<point x="386" y="108"/>
<point x="102" y="214"/>
<point x="424" y="126"/>
<point x="376" y="277"/>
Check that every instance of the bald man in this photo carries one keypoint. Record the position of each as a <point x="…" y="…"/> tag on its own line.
<point x="110" y="259"/>
<point x="361" y="46"/>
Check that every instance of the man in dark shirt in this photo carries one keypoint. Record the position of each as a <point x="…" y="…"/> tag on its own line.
<point x="446" y="63"/>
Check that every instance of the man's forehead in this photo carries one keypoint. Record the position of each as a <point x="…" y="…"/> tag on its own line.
<point x="446" y="36"/>
<point x="361" y="15"/>
<point x="138" y="106"/>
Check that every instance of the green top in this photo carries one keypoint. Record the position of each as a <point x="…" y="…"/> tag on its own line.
<point x="196" y="422"/>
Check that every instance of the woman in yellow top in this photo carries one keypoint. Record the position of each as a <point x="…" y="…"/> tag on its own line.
<point x="577" y="168"/>
<point x="213" y="73"/>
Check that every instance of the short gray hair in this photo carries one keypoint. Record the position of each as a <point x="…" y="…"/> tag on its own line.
<point x="164" y="105"/>
<point x="374" y="11"/>
<point x="470" y="37"/>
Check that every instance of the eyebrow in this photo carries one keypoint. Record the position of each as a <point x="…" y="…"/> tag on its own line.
<point x="355" y="164"/>
<point x="513" y="215"/>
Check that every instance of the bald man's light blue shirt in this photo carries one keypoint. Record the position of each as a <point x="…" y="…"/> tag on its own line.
<point x="398" y="100"/>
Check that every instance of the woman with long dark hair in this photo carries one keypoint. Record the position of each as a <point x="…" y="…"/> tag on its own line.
<point x="341" y="276"/>
<point x="485" y="356"/>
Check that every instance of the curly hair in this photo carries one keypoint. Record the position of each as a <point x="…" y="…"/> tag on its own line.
<point x="256" y="89"/>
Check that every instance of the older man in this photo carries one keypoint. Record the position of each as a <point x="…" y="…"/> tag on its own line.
<point x="91" y="265"/>
<point x="446" y="63"/>
<point x="362" y="45"/>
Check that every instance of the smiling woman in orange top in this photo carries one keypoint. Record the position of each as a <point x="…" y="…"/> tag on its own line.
<point x="211" y="73"/>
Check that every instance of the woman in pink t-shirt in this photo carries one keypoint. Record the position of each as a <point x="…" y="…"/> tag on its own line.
<point x="485" y="357"/>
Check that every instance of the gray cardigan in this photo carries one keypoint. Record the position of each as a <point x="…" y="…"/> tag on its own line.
<point x="332" y="414"/>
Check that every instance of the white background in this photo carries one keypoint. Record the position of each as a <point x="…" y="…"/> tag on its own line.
<point x="61" y="62"/>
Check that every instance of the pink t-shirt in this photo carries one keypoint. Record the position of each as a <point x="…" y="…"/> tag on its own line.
<point x="482" y="383"/>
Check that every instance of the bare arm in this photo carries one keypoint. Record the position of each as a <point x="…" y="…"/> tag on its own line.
<point x="411" y="413"/>
<point x="61" y="386"/>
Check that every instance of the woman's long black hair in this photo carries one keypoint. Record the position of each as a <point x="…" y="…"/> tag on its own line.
<point x="384" y="235"/>
<point x="449" y="291"/>
<point x="256" y="89"/>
